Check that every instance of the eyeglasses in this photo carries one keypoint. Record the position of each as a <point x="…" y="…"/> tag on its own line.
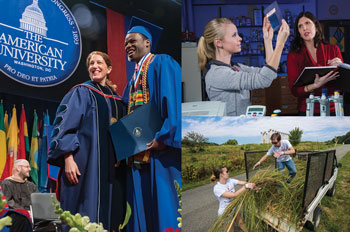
<point x="274" y="143"/>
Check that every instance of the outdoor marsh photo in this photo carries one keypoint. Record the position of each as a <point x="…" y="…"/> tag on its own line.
<point x="316" y="197"/>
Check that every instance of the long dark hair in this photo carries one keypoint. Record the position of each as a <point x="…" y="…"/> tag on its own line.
<point x="298" y="42"/>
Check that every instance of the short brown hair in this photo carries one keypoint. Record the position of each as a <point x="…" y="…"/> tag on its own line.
<point x="276" y="136"/>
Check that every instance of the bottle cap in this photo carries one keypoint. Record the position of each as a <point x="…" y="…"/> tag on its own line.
<point x="324" y="92"/>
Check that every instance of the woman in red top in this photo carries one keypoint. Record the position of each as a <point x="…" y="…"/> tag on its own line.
<point x="309" y="48"/>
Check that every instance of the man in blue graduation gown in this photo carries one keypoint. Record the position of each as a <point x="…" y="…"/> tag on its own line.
<point x="150" y="182"/>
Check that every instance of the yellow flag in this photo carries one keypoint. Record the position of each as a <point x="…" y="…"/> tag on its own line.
<point x="3" y="149"/>
<point x="12" y="145"/>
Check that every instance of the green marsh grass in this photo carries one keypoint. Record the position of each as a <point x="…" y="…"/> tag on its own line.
<point x="274" y="196"/>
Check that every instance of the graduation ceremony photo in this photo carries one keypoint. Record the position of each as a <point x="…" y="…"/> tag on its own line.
<point x="90" y="115"/>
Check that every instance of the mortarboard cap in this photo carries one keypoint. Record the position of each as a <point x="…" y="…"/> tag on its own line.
<point x="151" y="31"/>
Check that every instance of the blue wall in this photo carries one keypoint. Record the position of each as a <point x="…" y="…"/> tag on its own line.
<point x="203" y="14"/>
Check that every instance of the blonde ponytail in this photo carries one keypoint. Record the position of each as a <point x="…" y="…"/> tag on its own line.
<point x="206" y="48"/>
<point x="202" y="53"/>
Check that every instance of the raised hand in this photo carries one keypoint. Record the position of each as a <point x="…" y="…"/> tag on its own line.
<point x="283" y="33"/>
<point x="267" y="29"/>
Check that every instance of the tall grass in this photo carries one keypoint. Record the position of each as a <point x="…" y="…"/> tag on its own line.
<point x="272" y="195"/>
<point x="198" y="167"/>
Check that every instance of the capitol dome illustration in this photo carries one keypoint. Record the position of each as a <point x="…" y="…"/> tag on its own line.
<point x="33" y="19"/>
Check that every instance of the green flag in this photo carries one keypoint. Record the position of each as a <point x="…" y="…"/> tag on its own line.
<point x="34" y="151"/>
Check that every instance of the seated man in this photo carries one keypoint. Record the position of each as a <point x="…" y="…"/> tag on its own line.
<point x="17" y="191"/>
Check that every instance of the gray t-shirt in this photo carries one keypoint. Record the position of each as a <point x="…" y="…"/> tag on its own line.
<point x="285" y="145"/>
<point x="18" y="194"/>
<point x="224" y="83"/>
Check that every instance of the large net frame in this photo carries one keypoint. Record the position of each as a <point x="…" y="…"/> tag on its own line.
<point x="319" y="170"/>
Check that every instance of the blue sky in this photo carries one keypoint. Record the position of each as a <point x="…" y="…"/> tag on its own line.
<point x="247" y="130"/>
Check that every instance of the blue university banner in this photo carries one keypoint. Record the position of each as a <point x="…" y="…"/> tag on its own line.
<point x="40" y="42"/>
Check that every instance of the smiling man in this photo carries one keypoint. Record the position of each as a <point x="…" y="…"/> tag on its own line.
<point x="151" y="191"/>
<point x="281" y="150"/>
<point x="17" y="190"/>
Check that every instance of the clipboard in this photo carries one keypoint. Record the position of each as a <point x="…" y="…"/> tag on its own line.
<point x="307" y="76"/>
<point x="132" y="132"/>
<point x="342" y="82"/>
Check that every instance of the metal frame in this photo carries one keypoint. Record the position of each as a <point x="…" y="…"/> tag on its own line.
<point x="324" y="180"/>
<point x="246" y="163"/>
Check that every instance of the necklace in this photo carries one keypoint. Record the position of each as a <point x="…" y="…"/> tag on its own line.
<point x="113" y="119"/>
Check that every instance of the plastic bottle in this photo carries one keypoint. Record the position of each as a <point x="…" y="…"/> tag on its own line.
<point x="323" y="102"/>
<point x="336" y="103"/>
<point x="310" y="105"/>
<point x="341" y="109"/>
<point x="308" y="102"/>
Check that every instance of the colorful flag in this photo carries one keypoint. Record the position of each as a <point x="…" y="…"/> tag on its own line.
<point x="53" y="170"/>
<point x="6" y="121"/>
<point x="43" y="150"/>
<point x="3" y="149"/>
<point x="33" y="157"/>
<point x="12" y="145"/>
<point x="23" y="146"/>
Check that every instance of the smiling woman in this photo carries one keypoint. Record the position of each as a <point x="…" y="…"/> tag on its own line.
<point x="93" y="181"/>
<point x="99" y="67"/>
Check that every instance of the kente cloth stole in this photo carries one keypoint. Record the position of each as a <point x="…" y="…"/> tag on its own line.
<point x="139" y="90"/>
<point x="139" y="95"/>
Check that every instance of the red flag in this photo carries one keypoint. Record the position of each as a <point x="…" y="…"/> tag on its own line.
<point x="116" y="51"/>
<point x="23" y="146"/>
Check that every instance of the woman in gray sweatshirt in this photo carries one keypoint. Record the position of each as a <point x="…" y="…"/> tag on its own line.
<point x="229" y="82"/>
